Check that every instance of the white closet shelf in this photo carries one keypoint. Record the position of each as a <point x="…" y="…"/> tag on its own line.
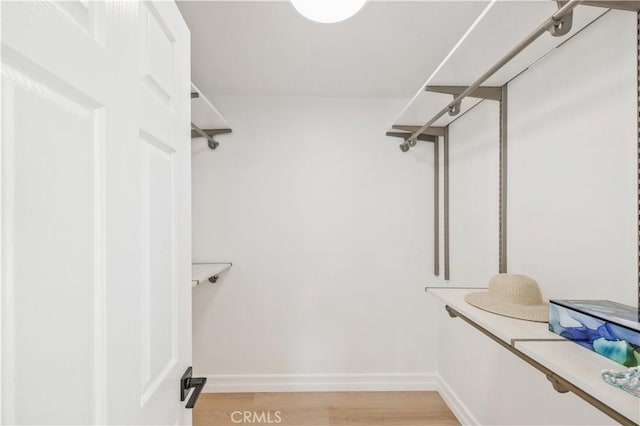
<point x="504" y="328"/>
<point x="573" y="367"/>
<point x="201" y="272"/>
<point x="204" y="114"/>
<point x="582" y="367"/>
<point x="502" y="27"/>
<point x="206" y="122"/>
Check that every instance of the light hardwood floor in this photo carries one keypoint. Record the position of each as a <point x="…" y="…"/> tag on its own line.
<point x="323" y="409"/>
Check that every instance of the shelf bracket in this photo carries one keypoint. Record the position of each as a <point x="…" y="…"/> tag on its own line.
<point x="213" y="279"/>
<point x="561" y="26"/>
<point x="429" y="135"/>
<point x="208" y="134"/>
<point x="482" y="92"/>
<point x="556" y="384"/>
<point x="452" y="312"/>
<point x="432" y="131"/>
<point x="405" y="136"/>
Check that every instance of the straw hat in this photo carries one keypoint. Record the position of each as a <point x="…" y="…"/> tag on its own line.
<point x="512" y="295"/>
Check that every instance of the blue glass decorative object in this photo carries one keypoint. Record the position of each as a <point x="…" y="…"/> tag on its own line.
<point x="605" y="327"/>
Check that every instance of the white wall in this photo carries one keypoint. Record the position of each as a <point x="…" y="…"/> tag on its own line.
<point x="573" y="166"/>
<point x="329" y="228"/>
<point x="571" y="209"/>
<point x="473" y="195"/>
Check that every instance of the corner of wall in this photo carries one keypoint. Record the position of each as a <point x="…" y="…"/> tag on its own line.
<point x="455" y="404"/>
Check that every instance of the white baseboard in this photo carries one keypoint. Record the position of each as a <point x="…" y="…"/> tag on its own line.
<point x="455" y="404"/>
<point x="320" y="382"/>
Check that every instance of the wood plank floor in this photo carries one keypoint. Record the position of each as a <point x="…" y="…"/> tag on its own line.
<point x="323" y="409"/>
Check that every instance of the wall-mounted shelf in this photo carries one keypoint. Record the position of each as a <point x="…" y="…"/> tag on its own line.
<point x="206" y="121"/>
<point x="502" y="27"/>
<point x="207" y="272"/>
<point x="569" y="367"/>
<point x="503" y="327"/>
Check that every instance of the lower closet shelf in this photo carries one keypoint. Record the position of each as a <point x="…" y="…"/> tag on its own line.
<point x="568" y="366"/>
<point x="202" y="272"/>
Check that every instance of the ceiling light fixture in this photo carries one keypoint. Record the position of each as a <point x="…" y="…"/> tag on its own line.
<point x="328" y="11"/>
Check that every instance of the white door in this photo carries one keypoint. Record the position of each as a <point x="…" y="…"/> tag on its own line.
<point x="95" y="231"/>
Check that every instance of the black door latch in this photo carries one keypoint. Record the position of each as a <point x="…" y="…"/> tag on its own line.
<point x="187" y="382"/>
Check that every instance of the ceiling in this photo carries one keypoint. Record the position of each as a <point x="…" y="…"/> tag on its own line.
<point x="388" y="49"/>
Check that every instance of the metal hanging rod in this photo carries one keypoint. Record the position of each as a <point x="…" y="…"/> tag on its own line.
<point x="208" y="134"/>
<point x="558" y="24"/>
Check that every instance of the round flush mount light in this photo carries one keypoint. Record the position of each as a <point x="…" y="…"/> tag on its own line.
<point x="328" y="11"/>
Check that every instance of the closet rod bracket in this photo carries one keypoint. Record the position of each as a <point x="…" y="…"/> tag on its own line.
<point x="404" y="147"/>
<point x="208" y="134"/>
<point x="454" y="109"/>
<point x="561" y="26"/>
<point x="404" y="135"/>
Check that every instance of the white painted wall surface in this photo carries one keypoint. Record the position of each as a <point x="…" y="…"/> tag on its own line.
<point x="572" y="214"/>
<point x="329" y="228"/>
<point x="573" y="166"/>
<point x="473" y="195"/>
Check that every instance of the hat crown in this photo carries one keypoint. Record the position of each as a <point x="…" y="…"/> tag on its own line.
<point x="515" y="289"/>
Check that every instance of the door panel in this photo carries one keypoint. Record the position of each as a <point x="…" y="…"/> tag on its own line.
<point x="159" y="299"/>
<point x="70" y="252"/>
<point x="95" y="231"/>
<point x="81" y="12"/>
<point x="157" y="53"/>
<point x="165" y="203"/>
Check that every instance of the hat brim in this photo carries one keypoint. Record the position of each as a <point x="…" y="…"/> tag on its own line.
<point x="484" y="301"/>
